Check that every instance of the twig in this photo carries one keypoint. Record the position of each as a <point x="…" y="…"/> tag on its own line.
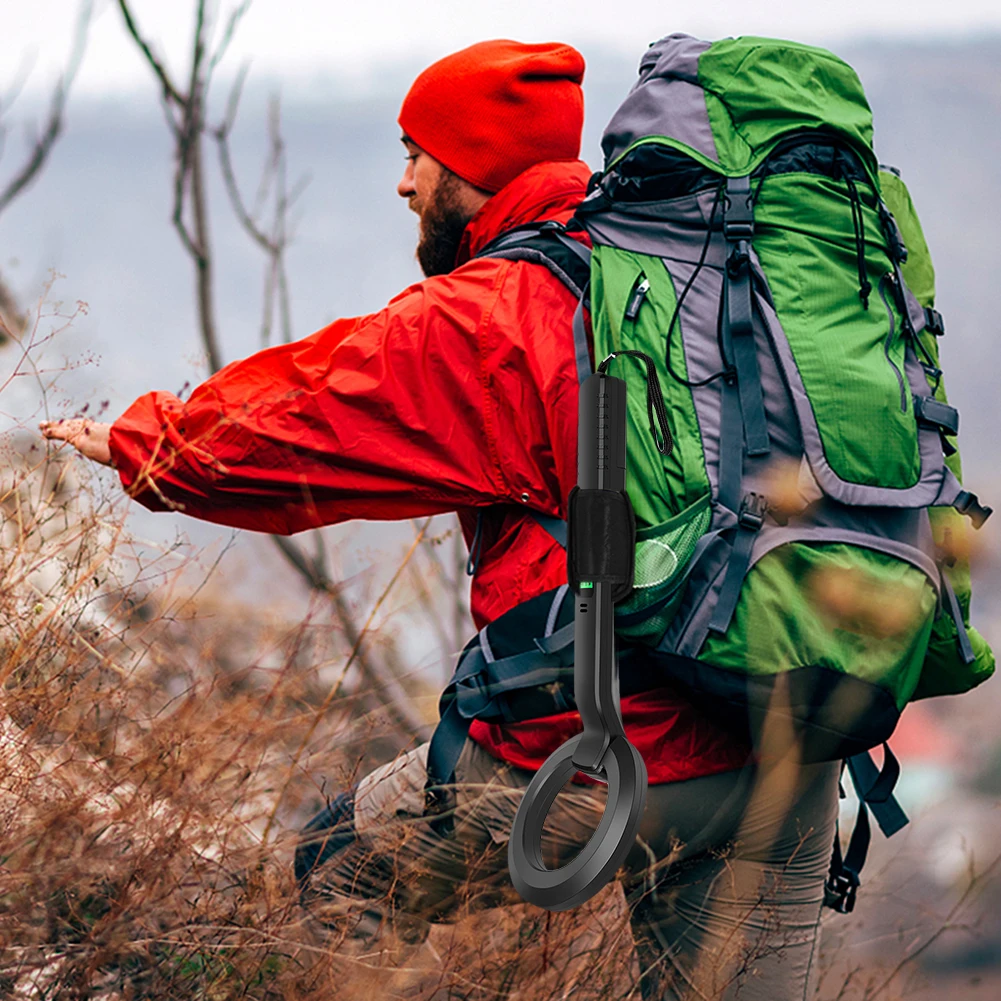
<point x="413" y="724"/>
<point x="976" y="880"/>
<point x="227" y="36"/>
<point x="170" y="92"/>
<point x="54" y="124"/>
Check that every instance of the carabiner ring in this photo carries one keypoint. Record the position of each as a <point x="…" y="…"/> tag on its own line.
<point x="578" y="880"/>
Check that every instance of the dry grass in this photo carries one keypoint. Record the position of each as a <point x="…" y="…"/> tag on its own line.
<point x="153" y="777"/>
<point x="146" y="739"/>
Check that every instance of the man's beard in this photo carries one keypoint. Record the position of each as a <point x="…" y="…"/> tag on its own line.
<point x="443" y="222"/>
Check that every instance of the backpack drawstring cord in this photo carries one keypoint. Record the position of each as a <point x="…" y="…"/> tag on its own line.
<point x="858" y="225"/>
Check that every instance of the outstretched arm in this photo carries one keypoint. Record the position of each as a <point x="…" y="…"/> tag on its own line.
<point x="382" y="417"/>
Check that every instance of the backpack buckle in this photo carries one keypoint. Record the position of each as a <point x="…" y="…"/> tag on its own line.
<point x="736" y="230"/>
<point x="934" y="322"/>
<point x="439" y="808"/>
<point x="753" y="509"/>
<point x="840" y="891"/>
<point x="738" y="210"/>
<point x="894" y="238"/>
<point x="969" y="504"/>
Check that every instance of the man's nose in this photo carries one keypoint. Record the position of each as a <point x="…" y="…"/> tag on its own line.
<point x="406" y="189"/>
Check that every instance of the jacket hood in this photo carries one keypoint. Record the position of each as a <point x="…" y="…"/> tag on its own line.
<point x="548" y="190"/>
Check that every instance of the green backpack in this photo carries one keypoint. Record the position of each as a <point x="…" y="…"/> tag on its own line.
<point x="786" y="550"/>
<point x="798" y="553"/>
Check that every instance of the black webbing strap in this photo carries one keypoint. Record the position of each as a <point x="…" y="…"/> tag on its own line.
<point x="875" y="787"/>
<point x="875" y="792"/>
<point x="582" y="356"/>
<point x="843" y="879"/>
<point x="750" y="518"/>
<point x="738" y="315"/>
<point x="556" y="527"/>
<point x="731" y="448"/>
<point x="956" y="614"/>
<point x="743" y="429"/>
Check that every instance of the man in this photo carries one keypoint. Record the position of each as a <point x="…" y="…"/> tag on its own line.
<point x="461" y="395"/>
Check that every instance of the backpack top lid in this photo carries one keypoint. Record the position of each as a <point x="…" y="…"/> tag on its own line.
<point x="728" y="103"/>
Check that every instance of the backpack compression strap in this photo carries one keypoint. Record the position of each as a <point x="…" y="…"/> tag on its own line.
<point x="874" y="788"/>
<point x="743" y="413"/>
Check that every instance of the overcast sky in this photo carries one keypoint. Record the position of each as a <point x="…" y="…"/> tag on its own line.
<point x="299" y="39"/>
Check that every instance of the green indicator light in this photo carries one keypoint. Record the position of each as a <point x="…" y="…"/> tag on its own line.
<point x="586" y="583"/>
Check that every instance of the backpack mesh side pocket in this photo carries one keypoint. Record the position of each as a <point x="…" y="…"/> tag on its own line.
<point x="663" y="553"/>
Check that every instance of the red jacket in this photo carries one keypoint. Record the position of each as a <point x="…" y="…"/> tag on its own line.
<point x="461" y="394"/>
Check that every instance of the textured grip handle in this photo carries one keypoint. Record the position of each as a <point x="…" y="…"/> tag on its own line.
<point x="601" y="434"/>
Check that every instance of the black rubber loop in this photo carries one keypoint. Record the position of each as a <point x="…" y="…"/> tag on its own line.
<point x="578" y="880"/>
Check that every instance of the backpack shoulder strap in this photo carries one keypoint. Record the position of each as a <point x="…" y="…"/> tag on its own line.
<point x="547" y="244"/>
<point x="566" y="259"/>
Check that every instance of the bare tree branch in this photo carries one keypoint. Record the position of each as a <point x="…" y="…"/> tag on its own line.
<point x="186" y="115"/>
<point x="221" y="134"/>
<point x="313" y="571"/>
<point x="227" y="36"/>
<point x="57" y="107"/>
<point x="274" y="175"/>
<point x="170" y="92"/>
<point x="400" y="706"/>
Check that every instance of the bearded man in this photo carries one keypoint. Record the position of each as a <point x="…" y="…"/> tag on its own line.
<point x="461" y="395"/>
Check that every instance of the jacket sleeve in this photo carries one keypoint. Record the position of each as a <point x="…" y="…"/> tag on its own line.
<point x="380" y="417"/>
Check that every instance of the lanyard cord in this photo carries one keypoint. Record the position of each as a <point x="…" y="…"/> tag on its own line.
<point x="654" y="400"/>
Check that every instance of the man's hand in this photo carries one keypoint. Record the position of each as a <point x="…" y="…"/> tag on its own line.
<point x="88" y="437"/>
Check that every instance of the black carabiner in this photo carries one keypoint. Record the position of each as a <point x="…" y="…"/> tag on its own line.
<point x="600" y="551"/>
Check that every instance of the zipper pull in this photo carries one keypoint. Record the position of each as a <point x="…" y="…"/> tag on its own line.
<point x="633" y="309"/>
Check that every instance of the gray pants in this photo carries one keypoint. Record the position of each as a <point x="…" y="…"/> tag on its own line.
<point x="724" y="884"/>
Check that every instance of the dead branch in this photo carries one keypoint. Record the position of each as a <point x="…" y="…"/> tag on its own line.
<point x="185" y="113"/>
<point x="398" y="703"/>
<point x="227" y="36"/>
<point x="273" y="177"/>
<point x="170" y="92"/>
<point x="377" y="678"/>
<point x="13" y="320"/>
<point x="57" y="106"/>
<point x="185" y="110"/>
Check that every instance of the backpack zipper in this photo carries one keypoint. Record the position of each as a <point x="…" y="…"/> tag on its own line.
<point x="637" y="298"/>
<point x="889" y="340"/>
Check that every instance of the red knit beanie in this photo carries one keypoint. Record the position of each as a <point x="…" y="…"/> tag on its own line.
<point x="495" y="109"/>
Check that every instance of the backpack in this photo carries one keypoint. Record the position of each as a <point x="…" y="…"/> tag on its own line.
<point x="796" y="557"/>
